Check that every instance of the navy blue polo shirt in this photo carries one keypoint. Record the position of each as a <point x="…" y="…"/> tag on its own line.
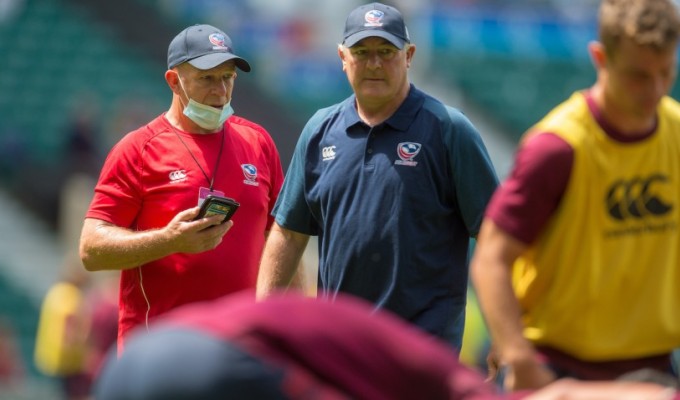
<point x="394" y="206"/>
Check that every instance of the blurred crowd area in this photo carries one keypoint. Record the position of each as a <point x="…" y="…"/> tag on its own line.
<point x="76" y="75"/>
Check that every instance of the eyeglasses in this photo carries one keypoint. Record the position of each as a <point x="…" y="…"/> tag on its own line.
<point x="386" y="53"/>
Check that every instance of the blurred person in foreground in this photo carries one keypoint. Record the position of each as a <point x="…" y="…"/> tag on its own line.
<point x="142" y="217"/>
<point x="294" y="347"/>
<point x="392" y="181"/>
<point x="577" y="264"/>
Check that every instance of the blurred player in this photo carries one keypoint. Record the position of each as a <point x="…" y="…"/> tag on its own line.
<point x="293" y="347"/>
<point x="577" y="264"/>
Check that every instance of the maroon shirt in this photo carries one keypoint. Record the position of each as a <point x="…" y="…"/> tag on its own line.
<point x="346" y="345"/>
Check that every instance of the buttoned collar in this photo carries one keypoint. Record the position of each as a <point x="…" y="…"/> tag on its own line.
<point x="402" y="118"/>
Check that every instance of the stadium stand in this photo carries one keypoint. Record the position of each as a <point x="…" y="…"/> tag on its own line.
<point x="20" y="312"/>
<point x="54" y="52"/>
<point x="517" y="91"/>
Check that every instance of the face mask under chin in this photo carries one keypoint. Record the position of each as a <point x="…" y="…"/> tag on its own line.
<point x="208" y="117"/>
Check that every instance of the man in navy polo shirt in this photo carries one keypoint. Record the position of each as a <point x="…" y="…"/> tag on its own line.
<point x="392" y="181"/>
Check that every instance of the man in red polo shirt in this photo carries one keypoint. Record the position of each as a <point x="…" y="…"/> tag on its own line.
<point x="142" y="218"/>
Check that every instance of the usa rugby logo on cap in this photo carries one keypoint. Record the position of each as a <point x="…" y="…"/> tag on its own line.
<point x="250" y="172"/>
<point x="218" y="40"/>
<point x="407" y="152"/>
<point x="374" y="18"/>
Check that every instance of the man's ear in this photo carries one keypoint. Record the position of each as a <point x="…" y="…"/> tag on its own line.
<point x="409" y="54"/>
<point x="172" y="79"/>
<point x="341" y="54"/>
<point x="598" y="54"/>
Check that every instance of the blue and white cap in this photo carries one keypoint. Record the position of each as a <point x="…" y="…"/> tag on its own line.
<point x="204" y="47"/>
<point x="376" y="19"/>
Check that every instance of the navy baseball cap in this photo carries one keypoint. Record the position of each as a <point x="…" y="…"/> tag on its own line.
<point x="204" y="47"/>
<point x="376" y="19"/>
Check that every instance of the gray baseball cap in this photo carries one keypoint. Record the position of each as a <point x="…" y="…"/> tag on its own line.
<point x="204" y="47"/>
<point x="376" y="19"/>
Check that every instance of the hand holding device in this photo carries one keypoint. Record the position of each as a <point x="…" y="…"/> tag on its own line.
<point x="215" y="205"/>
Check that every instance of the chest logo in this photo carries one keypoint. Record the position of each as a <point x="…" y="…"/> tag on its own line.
<point x="407" y="151"/>
<point x="177" y="176"/>
<point x="328" y="153"/>
<point x="637" y="198"/>
<point x="250" y="173"/>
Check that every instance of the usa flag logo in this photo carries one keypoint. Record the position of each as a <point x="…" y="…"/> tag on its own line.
<point x="250" y="173"/>
<point x="374" y="18"/>
<point x="217" y="39"/>
<point x="407" y="151"/>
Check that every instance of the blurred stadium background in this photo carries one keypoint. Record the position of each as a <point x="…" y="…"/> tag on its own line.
<point x="75" y="75"/>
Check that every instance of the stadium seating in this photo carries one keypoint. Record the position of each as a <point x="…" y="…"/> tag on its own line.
<point x="52" y="53"/>
<point x="20" y="313"/>
<point x="517" y="92"/>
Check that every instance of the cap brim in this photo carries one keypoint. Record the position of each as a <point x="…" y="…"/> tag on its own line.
<point x="353" y="39"/>
<point x="212" y="60"/>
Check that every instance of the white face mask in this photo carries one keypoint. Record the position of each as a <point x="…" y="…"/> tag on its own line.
<point x="208" y="117"/>
<point x="205" y="116"/>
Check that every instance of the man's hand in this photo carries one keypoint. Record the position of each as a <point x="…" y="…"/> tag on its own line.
<point x="104" y="246"/>
<point x="196" y="236"/>
<point x="526" y="373"/>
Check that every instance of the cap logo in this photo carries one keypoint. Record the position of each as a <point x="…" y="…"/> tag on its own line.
<point x="218" y="40"/>
<point x="374" y="18"/>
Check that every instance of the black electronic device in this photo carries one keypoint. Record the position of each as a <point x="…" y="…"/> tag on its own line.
<point x="216" y="205"/>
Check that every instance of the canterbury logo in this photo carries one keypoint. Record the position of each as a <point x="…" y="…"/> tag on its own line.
<point x="177" y="176"/>
<point x="328" y="153"/>
<point x="636" y="198"/>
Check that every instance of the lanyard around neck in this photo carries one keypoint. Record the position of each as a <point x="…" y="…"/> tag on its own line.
<point x="211" y="181"/>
